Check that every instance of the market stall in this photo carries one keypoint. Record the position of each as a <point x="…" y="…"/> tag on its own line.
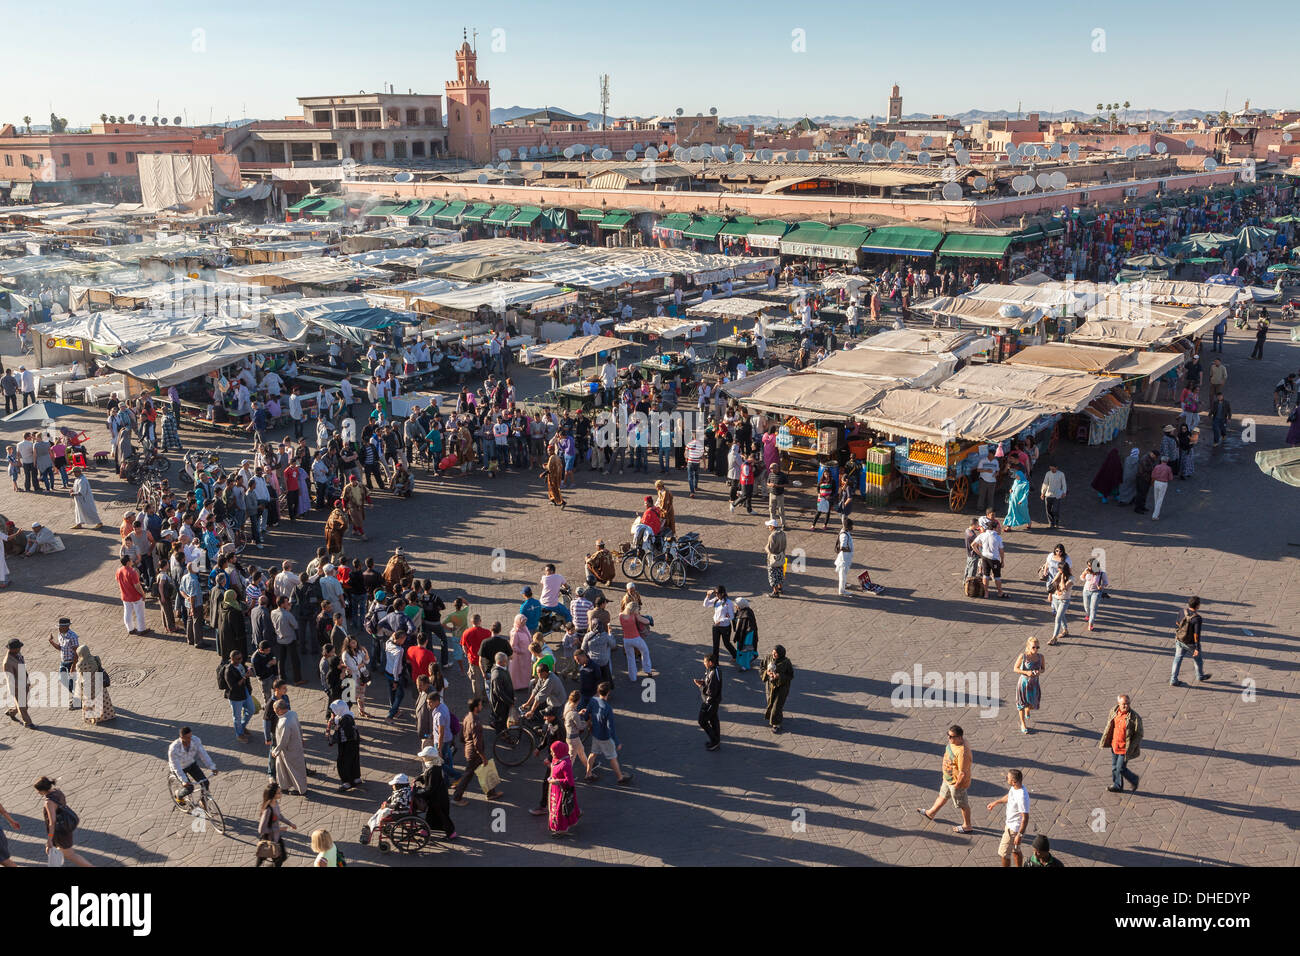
<point x="583" y="393"/>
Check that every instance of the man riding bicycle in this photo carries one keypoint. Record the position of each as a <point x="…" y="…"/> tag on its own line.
<point x="187" y="758"/>
<point x="553" y="585"/>
<point x="547" y="691"/>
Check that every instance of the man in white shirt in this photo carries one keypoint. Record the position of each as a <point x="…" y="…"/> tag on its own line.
<point x="609" y="375"/>
<point x="1052" y="493"/>
<point x="807" y="316"/>
<point x="345" y="388"/>
<point x="550" y="596"/>
<point x="295" y="412"/>
<point x="1017" y="801"/>
<point x="27" y="385"/>
<point x="27" y="455"/>
<point x="273" y="383"/>
<point x="187" y="760"/>
<point x="990" y="548"/>
<point x="988" y="467"/>
<point x="627" y="312"/>
<point x="724" y="611"/>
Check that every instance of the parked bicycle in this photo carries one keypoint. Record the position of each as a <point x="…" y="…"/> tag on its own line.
<point x="680" y="555"/>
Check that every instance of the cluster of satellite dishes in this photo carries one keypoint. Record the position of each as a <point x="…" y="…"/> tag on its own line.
<point x="1044" y="181"/>
<point x="156" y="120"/>
<point x="1025" y="154"/>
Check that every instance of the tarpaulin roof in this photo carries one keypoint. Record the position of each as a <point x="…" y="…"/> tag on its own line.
<point x="927" y="413"/>
<point x="735" y="307"/>
<point x="484" y="267"/>
<point x="1175" y="292"/>
<point x="292" y="314"/>
<point x="742" y="388"/>
<point x="420" y="260"/>
<point x="1133" y="325"/>
<point x="582" y="346"/>
<point x="909" y="369"/>
<point x="1051" y="297"/>
<point x="814" y="394"/>
<point x="1139" y="364"/>
<point x="185" y="357"/>
<point x="498" y="295"/>
<point x="1057" y="389"/>
<point x="356" y="324"/>
<point x="926" y="342"/>
<point x="1080" y="358"/>
<point x="663" y="326"/>
<point x="985" y="313"/>
<point x="310" y="271"/>
<point x="1280" y="463"/>
<point x="394" y="237"/>
<point x="111" y="331"/>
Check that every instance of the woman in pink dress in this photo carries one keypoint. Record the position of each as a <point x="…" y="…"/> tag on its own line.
<point x="521" y="660"/>
<point x="563" y="810"/>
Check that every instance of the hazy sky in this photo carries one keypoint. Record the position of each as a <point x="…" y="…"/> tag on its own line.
<point x="240" y="58"/>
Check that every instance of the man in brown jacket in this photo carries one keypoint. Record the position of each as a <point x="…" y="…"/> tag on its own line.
<point x="18" y="683"/>
<point x="1123" y="735"/>
<point x="472" y="731"/>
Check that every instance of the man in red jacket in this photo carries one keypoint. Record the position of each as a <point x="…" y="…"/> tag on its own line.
<point x="128" y="583"/>
<point x="471" y="641"/>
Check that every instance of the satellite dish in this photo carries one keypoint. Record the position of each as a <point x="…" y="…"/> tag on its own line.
<point x="852" y="152"/>
<point x="949" y="163"/>
<point x="1209" y="164"/>
<point x="719" y="154"/>
<point x="568" y="152"/>
<point x="713" y="111"/>
<point x="1190" y="144"/>
<point x="1144" y="149"/>
<point x="737" y="153"/>
<point x="963" y="157"/>
<point x="952" y="192"/>
<point x="1022" y="183"/>
<point x="803" y="155"/>
<point x="898" y="144"/>
<point x="1161" y="148"/>
<point x="1286" y="137"/>
<point x="1132" y="130"/>
<point x="482" y="179"/>
<point x="1041" y="180"/>
<point x="957" y="144"/>
<point x="403" y="177"/>
<point x="981" y="183"/>
<point x="504" y="167"/>
<point x="1131" y="152"/>
<point x="131" y="118"/>
<point x="1073" y="150"/>
<point x="1055" y="151"/>
<point x="878" y="151"/>
<point x="1057" y="180"/>
<point x="679" y="111"/>
<point x="923" y="157"/>
<point x="537" y="165"/>
<point x="926" y="141"/>
<point x="894" y="154"/>
<point x="163" y="121"/>
<point x="680" y="153"/>
<point x="630" y="155"/>
<point x="651" y="153"/>
<point x="523" y="153"/>
<point x="503" y="154"/>
<point x="175" y="122"/>
<point x="638" y="146"/>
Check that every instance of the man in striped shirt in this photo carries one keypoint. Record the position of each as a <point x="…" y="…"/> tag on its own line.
<point x="66" y="644"/>
<point x="580" y="607"/>
<point x="694" y="455"/>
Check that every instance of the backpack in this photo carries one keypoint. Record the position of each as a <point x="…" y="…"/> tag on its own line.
<point x="221" y="677"/>
<point x="974" y="587"/>
<point x="65" y="821"/>
<point x="1183" y="633"/>
<point x="454" y="725"/>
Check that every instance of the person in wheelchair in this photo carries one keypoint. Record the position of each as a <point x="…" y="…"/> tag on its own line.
<point x="397" y="804"/>
<point x="402" y="484"/>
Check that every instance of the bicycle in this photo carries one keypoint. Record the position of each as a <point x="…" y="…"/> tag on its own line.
<point x="151" y="492"/>
<point x="196" y="801"/>
<point x="516" y="743"/>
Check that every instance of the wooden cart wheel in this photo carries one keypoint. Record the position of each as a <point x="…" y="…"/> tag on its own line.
<point x="959" y="494"/>
<point x="1051" y="443"/>
<point x="910" y="491"/>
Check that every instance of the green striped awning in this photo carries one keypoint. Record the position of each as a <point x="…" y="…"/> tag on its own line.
<point x="501" y="215"/>
<point x="302" y="205"/>
<point x="451" y="212"/>
<point x="410" y="208"/>
<point x="767" y="234"/>
<point x="326" y="207"/>
<point x="527" y="216"/>
<point x="431" y="209"/>
<point x="476" y="212"/>
<point x="824" y="242"/>
<point x="903" y="240"/>
<point x="1031" y="234"/>
<point x="705" y="228"/>
<point x="616" y="219"/>
<point x="385" y="209"/>
<point x="591" y="215"/>
<point x="1053" y="227"/>
<point x="975" y="247"/>
<point x="739" y="226"/>
<point x="674" y="222"/>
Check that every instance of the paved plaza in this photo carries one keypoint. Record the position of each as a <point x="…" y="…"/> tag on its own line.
<point x="1220" y="761"/>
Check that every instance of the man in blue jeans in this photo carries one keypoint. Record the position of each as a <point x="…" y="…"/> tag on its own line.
<point x="394" y="667"/>
<point x="1123" y="735"/>
<point x="1187" y="643"/>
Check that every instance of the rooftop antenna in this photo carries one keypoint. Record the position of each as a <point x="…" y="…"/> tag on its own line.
<point x="475" y="44"/>
<point x="604" y="104"/>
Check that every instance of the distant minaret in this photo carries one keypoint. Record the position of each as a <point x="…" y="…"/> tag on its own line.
<point x="895" y="105"/>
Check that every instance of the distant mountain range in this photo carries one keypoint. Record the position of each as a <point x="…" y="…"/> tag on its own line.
<point x="502" y="115"/>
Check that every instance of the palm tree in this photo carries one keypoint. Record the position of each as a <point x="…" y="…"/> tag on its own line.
<point x="1126" y="105"/>
<point x="1224" y="116"/>
<point x="27" y="121"/>
<point x="103" y="117"/>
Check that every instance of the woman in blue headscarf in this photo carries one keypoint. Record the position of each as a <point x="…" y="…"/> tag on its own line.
<point x="1017" y="503"/>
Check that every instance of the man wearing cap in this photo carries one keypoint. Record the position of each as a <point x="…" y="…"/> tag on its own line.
<point x="531" y="609"/>
<point x="600" y="563"/>
<point x="66" y="643"/>
<point x="331" y="589"/>
<point x="1169" y="443"/>
<point x="15" y="675"/>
